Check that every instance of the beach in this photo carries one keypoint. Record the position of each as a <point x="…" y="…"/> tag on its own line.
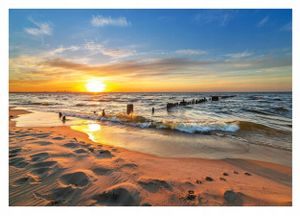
<point x="60" y="166"/>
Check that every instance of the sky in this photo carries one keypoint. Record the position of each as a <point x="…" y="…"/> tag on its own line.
<point x="150" y="50"/>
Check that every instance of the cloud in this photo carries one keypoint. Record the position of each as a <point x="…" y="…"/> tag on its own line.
<point x="239" y="55"/>
<point x="190" y="52"/>
<point x="40" y="29"/>
<point x="221" y="17"/>
<point x="286" y="27"/>
<point x="263" y="22"/>
<point x="43" y="67"/>
<point x="136" y="68"/>
<point x="100" y="21"/>
<point x="63" y="49"/>
<point x="168" y="67"/>
<point x="96" y="48"/>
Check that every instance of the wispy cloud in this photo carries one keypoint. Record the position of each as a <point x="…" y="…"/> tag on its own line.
<point x="169" y="66"/>
<point x="220" y="17"/>
<point x="100" y="21"/>
<point x="190" y="52"/>
<point x="286" y="27"/>
<point x="263" y="22"/>
<point x="98" y="48"/>
<point x="40" y="29"/>
<point x="89" y="50"/>
<point x="63" y="49"/>
<point x="239" y="55"/>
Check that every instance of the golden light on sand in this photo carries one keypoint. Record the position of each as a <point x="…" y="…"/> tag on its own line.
<point x="95" y="86"/>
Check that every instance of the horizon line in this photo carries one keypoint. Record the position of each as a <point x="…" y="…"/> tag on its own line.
<point x="81" y="92"/>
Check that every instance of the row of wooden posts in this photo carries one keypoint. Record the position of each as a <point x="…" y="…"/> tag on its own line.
<point x="169" y="105"/>
<point x="184" y="103"/>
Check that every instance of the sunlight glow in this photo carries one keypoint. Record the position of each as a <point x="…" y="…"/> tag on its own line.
<point x="95" y="86"/>
<point x="94" y="127"/>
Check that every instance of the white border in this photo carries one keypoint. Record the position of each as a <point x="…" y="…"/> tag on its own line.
<point x="6" y="4"/>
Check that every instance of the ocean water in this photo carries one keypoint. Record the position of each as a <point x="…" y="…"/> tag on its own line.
<point x="256" y="118"/>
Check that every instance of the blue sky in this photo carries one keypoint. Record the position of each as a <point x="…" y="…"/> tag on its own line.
<point x="190" y="48"/>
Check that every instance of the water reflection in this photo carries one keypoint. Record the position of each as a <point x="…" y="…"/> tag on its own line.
<point x="89" y="129"/>
<point x="94" y="127"/>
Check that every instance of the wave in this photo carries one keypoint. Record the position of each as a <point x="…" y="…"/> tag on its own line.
<point x="143" y="122"/>
<point x="204" y="127"/>
<point x="256" y="111"/>
<point x="255" y="127"/>
<point x="83" y="104"/>
<point x="280" y="109"/>
<point x="37" y="103"/>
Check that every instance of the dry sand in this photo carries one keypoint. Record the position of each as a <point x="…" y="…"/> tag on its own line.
<point x="59" y="166"/>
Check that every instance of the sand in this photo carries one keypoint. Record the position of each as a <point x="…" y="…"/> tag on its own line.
<point x="60" y="166"/>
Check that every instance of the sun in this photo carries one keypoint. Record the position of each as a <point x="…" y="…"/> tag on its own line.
<point x="95" y="86"/>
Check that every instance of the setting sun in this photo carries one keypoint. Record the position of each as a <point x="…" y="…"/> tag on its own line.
<point x="95" y="86"/>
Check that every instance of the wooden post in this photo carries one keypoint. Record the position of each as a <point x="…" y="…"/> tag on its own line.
<point x="215" y="98"/>
<point x="129" y="109"/>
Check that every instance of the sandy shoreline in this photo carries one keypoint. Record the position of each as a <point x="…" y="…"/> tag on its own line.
<point x="60" y="166"/>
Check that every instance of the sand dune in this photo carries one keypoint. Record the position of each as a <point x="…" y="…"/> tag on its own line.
<point x="59" y="166"/>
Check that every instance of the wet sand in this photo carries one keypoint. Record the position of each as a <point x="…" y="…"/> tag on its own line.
<point x="60" y="166"/>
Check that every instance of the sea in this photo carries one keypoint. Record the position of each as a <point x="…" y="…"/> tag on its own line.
<point x="256" y="118"/>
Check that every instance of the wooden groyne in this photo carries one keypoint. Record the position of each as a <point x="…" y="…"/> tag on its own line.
<point x="129" y="108"/>
<point x="184" y="103"/>
<point x="197" y="101"/>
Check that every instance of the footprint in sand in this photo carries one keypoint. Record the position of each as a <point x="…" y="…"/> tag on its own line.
<point x="18" y="162"/>
<point x="58" y="196"/>
<point x="129" y="165"/>
<point x="44" y="164"/>
<point x="102" y="170"/>
<point x="77" y="179"/>
<point x="91" y="149"/>
<point x="43" y="143"/>
<point x="39" y="156"/>
<point x="209" y="179"/>
<point x="198" y="181"/>
<point x="14" y="152"/>
<point x="58" y="138"/>
<point x="104" y="154"/>
<point x="43" y="169"/>
<point x="153" y="185"/>
<point x="124" y="194"/>
<point x="20" y="135"/>
<point x="24" y="180"/>
<point x="41" y="172"/>
<point x="81" y="151"/>
<point x="233" y="198"/>
<point x="40" y="135"/>
<point x="71" y="145"/>
<point x="190" y="196"/>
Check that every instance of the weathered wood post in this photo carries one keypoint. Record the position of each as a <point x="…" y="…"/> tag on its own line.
<point x="129" y="109"/>
<point x="215" y="98"/>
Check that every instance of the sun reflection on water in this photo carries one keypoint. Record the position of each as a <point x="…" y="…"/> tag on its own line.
<point x="94" y="127"/>
<point x="89" y="129"/>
